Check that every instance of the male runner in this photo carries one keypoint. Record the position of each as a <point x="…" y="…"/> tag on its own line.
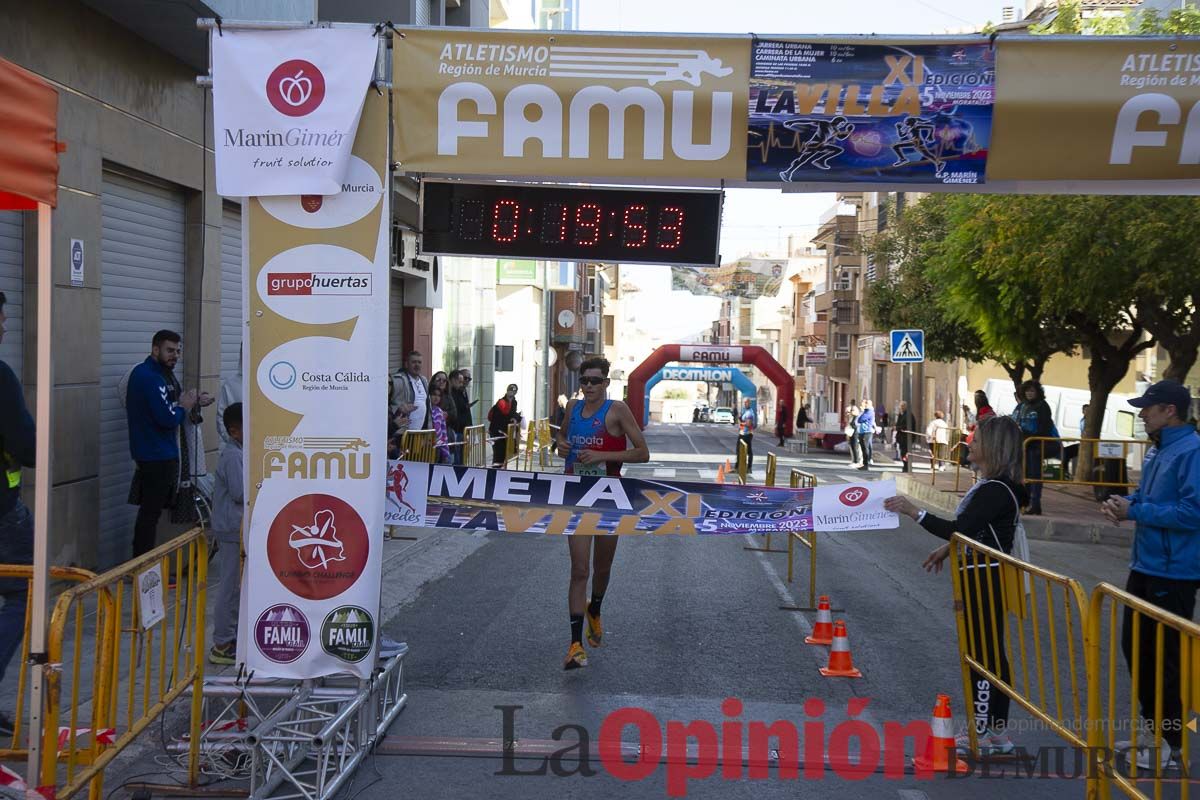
<point x="594" y="439"/>
<point x="817" y="142"/>
<point x="916" y="134"/>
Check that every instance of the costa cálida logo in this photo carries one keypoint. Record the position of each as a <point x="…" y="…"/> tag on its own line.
<point x="854" y="496"/>
<point x="296" y="88"/>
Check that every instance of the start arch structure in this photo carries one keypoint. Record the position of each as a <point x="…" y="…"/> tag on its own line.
<point x="754" y="355"/>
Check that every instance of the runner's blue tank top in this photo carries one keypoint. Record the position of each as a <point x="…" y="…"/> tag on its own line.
<point x="590" y="433"/>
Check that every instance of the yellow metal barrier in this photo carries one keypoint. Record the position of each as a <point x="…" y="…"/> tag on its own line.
<point x="25" y="572"/>
<point x="991" y="606"/>
<point x="531" y="445"/>
<point x="799" y="479"/>
<point x="419" y="446"/>
<point x="743" y="458"/>
<point x="136" y="670"/>
<point x="545" y="441"/>
<point x="475" y="446"/>
<point x="770" y="481"/>
<point x="1175" y="639"/>
<point x="512" y="443"/>
<point x="1052" y="451"/>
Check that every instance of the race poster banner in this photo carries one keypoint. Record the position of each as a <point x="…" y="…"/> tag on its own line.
<point x="286" y="105"/>
<point x="316" y="289"/>
<point x="468" y="498"/>
<point x="747" y="277"/>
<point x="1097" y="108"/>
<point x="876" y="113"/>
<point x="534" y="103"/>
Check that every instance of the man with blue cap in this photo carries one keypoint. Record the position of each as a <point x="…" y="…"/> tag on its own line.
<point x="1165" y="567"/>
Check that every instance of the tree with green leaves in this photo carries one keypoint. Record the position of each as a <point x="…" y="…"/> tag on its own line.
<point x="965" y="313"/>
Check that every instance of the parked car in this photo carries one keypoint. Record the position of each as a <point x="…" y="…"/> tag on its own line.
<point x="724" y="414"/>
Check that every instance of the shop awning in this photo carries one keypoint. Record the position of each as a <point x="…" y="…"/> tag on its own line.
<point x="28" y="139"/>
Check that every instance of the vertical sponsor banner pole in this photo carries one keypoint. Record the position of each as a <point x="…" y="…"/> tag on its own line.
<point x="316" y="278"/>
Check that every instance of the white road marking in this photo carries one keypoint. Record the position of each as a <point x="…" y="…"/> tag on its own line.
<point x="689" y="438"/>
<point x="664" y="472"/>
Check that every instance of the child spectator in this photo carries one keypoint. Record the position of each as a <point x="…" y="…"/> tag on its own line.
<point x="227" y="533"/>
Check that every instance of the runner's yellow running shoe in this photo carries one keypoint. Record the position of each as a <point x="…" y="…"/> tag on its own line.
<point x="595" y="629"/>
<point x="576" y="657"/>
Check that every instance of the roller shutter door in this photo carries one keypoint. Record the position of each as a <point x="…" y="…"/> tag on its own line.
<point x="141" y="291"/>
<point x="395" y="318"/>
<point x="231" y="290"/>
<point x="11" y="283"/>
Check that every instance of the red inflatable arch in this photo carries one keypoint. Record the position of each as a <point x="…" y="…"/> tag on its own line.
<point x="751" y="354"/>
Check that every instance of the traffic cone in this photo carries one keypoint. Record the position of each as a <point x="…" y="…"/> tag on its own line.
<point x="823" y="631"/>
<point x="840" y="664"/>
<point x="940" y="746"/>
<point x="721" y="473"/>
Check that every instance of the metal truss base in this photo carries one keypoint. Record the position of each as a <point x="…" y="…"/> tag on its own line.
<point x="303" y="739"/>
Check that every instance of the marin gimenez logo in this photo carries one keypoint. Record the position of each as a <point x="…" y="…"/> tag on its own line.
<point x="282" y="375"/>
<point x="296" y="88"/>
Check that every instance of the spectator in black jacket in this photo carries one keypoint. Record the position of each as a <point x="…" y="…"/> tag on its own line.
<point x="989" y="513"/>
<point x="18" y="444"/>
<point x="460" y="384"/>
<point x="501" y="415"/>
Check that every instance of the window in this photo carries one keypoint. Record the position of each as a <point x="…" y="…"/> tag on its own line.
<point x="841" y="346"/>
<point x="871" y="274"/>
<point x="1125" y="423"/>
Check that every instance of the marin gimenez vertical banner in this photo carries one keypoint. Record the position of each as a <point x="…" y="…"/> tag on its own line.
<point x="316" y="289"/>
<point x="878" y="113"/>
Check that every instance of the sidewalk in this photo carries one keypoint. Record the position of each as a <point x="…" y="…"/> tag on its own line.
<point x="1070" y="513"/>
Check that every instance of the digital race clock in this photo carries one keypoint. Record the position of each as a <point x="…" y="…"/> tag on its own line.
<point x="570" y="223"/>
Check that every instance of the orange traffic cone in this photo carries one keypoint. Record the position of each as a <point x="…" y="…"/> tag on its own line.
<point x="823" y="631"/>
<point x="721" y="473"/>
<point x="940" y="746"/>
<point x="840" y="663"/>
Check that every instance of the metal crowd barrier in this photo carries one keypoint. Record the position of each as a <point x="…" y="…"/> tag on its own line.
<point x="419" y="446"/>
<point x="772" y="467"/>
<point x="742" y="468"/>
<point x="1110" y="460"/>
<point x="475" y="443"/>
<point x="512" y="443"/>
<point x="24" y="572"/>
<point x="1051" y="603"/>
<point x="799" y="479"/>
<point x="135" y="667"/>
<point x="539" y="444"/>
<point x="1176" y="640"/>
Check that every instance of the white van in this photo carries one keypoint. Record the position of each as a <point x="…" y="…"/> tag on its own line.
<point x="1066" y="407"/>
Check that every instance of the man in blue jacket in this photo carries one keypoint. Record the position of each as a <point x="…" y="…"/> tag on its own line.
<point x="155" y="409"/>
<point x="1165" y="568"/>
<point x="18" y="445"/>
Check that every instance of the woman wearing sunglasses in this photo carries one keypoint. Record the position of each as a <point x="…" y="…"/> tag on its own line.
<point x="599" y="435"/>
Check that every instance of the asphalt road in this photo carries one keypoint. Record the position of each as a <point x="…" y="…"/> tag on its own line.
<point x="689" y="624"/>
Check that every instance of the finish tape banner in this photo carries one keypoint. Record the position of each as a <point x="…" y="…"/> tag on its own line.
<point x="444" y="496"/>
<point x="900" y="113"/>
<point x="316" y="289"/>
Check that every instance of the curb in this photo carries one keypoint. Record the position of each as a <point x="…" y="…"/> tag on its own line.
<point x="1040" y="528"/>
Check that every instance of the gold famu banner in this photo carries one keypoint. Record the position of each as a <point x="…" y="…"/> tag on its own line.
<point x="1097" y="109"/>
<point x="559" y="104"/>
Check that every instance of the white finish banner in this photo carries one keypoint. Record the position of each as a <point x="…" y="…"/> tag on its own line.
<point x="286" y="106"/>
<point x="316" y="289"/>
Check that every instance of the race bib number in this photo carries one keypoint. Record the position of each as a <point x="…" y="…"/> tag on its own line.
<point x="599" y="468"/>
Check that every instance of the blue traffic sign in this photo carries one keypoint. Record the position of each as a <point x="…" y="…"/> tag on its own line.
<point x="908" y="347"/>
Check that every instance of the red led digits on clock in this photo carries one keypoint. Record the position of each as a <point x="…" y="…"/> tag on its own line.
<point x="506" y="221"/>
<point x="634" y="232"/>
<point x="587" y="224"/>
<point x="670" y="227"/>
<point x="554" y="223"/>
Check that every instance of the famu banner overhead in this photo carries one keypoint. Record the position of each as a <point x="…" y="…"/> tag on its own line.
<point x="286" y="105"/>
<point x="469" y="498"/>
<point x="1098" y="108"/>
<point x="316" y="290"/>
<point x="563" y="104"/>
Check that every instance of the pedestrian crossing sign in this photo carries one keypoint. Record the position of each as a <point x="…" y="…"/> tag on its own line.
<point x="908" y="347"/>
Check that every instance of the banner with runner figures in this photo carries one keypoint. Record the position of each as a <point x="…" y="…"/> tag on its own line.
<point x="879" y="113"/>
<point x="468" y="498"/>
<point x="316" y="287"/>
